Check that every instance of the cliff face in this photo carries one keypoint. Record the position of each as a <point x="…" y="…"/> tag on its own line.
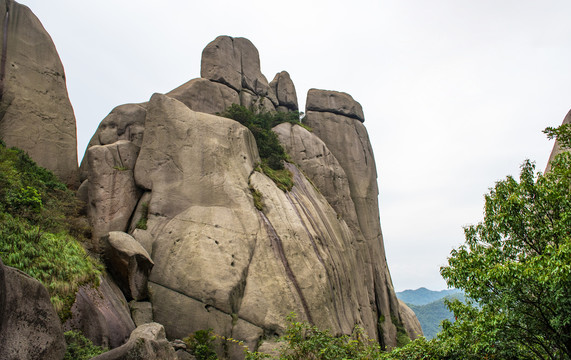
<point x="219" y="262"/>
<point x="35" y="112"/>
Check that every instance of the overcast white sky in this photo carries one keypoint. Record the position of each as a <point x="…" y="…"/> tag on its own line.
<point x="455" y="92"/>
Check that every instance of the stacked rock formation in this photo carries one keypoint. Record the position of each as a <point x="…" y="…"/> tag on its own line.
<point x="179" y="180"/>
<point x="35" y="113"/>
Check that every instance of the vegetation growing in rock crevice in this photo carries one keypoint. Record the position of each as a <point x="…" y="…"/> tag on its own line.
<point x="142" y="222"/>
<point x="39" y="229"/>
<point x="79" y="347"/>
<point x="201" y="344"/>
<point x="271" y="152"/>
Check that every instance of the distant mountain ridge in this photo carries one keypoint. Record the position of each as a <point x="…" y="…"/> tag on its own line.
<point x="423" y="296"/>
<point x="429" y="307"/>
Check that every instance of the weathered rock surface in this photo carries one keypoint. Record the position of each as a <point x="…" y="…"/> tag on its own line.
<point x="235" y="62"/>
<point x="205" y="96"/>
<point x="348" y="141"/>
<point x="409" y="321"/>
<point x="35" y="112"/>
<point x="317" y="254"/>
<point x="101" y="314"/>
<point x="220" y="262"/>
<point x="129" y="263"/>
<point x="112" y="192"/>
<point x="311" y="154"/>
<point x="200" y="212"/>
<point x="147" y="342"/>
<point x="29" y="325"/>
<point x="141" y="312"/>
<point x="285" y="92"/>
<point x="125" y="122"/>
<point x="334" y="102"/>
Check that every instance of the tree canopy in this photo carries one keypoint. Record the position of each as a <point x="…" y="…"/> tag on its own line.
<point x="516" y="268"/>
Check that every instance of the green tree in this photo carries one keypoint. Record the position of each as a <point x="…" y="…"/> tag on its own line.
<point x="516" y="268"/>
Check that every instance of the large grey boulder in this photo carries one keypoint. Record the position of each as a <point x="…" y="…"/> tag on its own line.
<point x="112" y="192"/>
<point x="147" y="342"/>
<point x="124" y="122"/>
<point x="29" y="325"/>
<point x="129" y="263"/>
<point x="235" y="62"/>
<point x="206" y="96"/>
<point x="285" y="92"/>
<point x="101" y="314"/>
<point x="35" y="111"/>
<point x="334" y="102"/>
<point x="200" y="213"/>
<point x="182" y="149"/>
<point x="141" y="312"/>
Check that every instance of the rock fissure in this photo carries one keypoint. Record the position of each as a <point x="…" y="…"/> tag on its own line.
<point x="363" y="147"/>
<point x="307" y="215"/>
<point x="330" y="111"/>
<point x="331" y="279"/>
<point x="207" y="306"/>
<point x="277" y="244"/>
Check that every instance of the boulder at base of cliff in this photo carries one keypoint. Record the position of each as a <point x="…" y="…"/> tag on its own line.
<point x="29" y="325"/>
<point x="147" y="342"/>
<point x="129" y="263"/>
<point x="101" y="314"/>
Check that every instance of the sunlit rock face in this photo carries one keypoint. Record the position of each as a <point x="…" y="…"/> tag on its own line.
<point x="35" y="113"/>
<point x="219" y="261"/>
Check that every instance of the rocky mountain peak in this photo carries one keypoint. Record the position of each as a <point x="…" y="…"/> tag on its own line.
<point x="192" y="228"/>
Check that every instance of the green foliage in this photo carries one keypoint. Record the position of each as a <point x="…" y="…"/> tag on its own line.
<point x="561" y="133"/>
<point x="303" y="341"/>
<point x="79" y="347"/>
<point x="419" y="349"/>
<point x="201" y="344"/>
<point x="26" y="199"/>
<point x="260" y="124"/>
<point x="402" y="336"/>
<point x="283" y="178"/>
<point x="516" y="266"/>
<point x="142" y="223"/>
<point x="271" y="152"/>
<point x="258" y="203"/>
<point x="38" y="222"/>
